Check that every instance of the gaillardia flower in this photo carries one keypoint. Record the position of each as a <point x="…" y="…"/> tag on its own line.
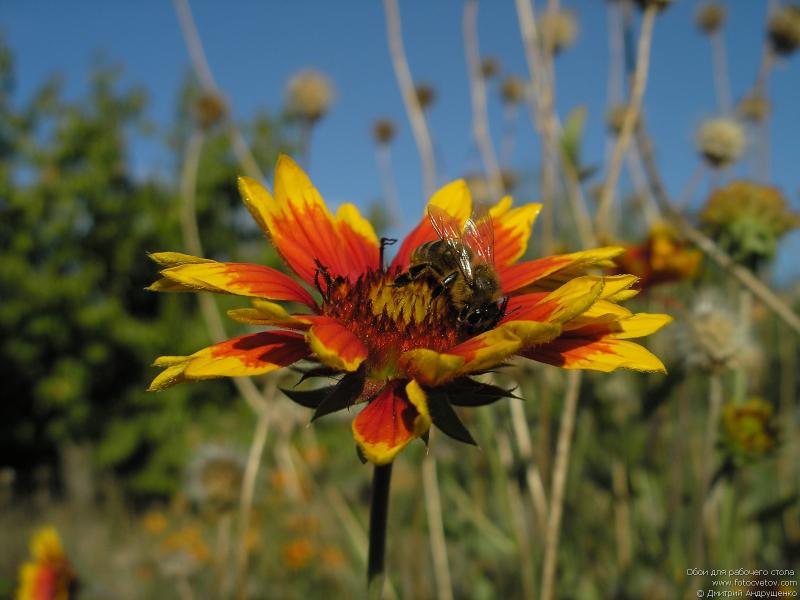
<point x="404" y="351"/>
<point x="661" y="258"/>
<point x="48" y="576"/>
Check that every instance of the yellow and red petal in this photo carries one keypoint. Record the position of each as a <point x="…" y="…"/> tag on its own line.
<point x="398" y="415"/>
<point x="430" y="367"/>
<point x="605" y="354"/>
<point x="512" y="229"/>
<point x="334" y="345"/>
<point x="455" y="199"/>
<point x="271" y="314"/>
<point x="549" y="272"/>
<point x="242" y="279"/>
<point x="633" y="326"/>
<point x="559" y="306"/>
<point x="253" y="354"/>
<point x="173" y="259"/>
<point x="302" y="228"/>
<point x="487" y="349"/>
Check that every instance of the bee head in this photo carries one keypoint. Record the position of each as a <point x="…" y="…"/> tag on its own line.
<point x="481" y="317"/>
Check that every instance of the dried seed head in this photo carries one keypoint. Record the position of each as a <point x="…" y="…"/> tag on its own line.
<point x="713" y="337"/>
<point x="209" y="109"/>
<point x="560" y="28"/>
<point x="748" y="219"/>
<point x="512" y="90"/>
<point x="659" y="4"/>
<point x="490" y="67"/>
<point x="784" y="29"/>
<point x="309" y="95"/>
<point x="383" y="131"/>
<point x="478" y="187"/>
<point x="616" y="117"/>
<point x="721" y="141"/>
<point x="508" y="179"/>
<point x="426" y="95"/>
<point x="710" y="17"/>
<point x="215" y="476"/>
<point x="754" y="108"/>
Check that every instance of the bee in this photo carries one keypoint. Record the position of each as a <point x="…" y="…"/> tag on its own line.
<point x="461" y="264"/>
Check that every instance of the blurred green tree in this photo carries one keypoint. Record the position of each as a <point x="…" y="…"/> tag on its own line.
<point x="77" y="329"/>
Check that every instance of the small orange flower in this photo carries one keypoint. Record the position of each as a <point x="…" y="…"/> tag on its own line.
<point x="661" y="258"/>
<point x="298" y="553"/>
<point x="49" y="576"/>
<point x="402" y="350"/>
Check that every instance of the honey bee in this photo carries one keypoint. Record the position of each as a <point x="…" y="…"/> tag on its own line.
<point x="461" y="264"/>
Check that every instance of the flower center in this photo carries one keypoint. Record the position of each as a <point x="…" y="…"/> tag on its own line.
<point x="392" y="319"/>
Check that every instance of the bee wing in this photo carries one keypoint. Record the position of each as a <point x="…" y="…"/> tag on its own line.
<point x="449" y="230"/>
<point x="479" y="234"/>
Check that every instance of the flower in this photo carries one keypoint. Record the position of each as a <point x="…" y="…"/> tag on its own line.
<point x="560" y="28"/>
<point x="490" y="66"/>
<point x="713" y="337"/>
<point x="309" y="95"/>
<point x="721" y="141"/>
<point x="748" y="219"/>
<point x="512" y="90"/>
<point x="754" y="107"/>
<point x="710" y="17"/>
<point x="748" y="430"/>
<point x="784" y="29"/>
<point x="383" y="131"/>
<point x="426" y="95"/>
<point x="661" y="258"/>
<point x="401" y="351"/>
<point x="49" y="575"/>
<point x="215" y="477"/>
<point x="616" y="117"/>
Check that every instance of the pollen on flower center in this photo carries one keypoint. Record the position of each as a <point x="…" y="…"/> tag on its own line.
<point x="392" y="319"/>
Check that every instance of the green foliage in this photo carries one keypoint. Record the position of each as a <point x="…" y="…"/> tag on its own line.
<point x="78" y="330"/>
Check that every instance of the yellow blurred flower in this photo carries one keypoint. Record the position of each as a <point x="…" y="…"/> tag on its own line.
<point x="298" y="553"/>
<point x="661" y="258"/>
<point x="48" y="576"/>
<point x="190" y="540"/>
<point x="155" y="522"/>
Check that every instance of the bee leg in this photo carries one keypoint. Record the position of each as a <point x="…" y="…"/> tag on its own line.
<point x="386" y="242"/>
<point x="413" y="273"/>
<point x="502" y="312"/>
<point x="322" y="270"/>
<point x="444" y="284"/>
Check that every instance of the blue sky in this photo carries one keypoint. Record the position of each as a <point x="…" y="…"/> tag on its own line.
<point x="254" y="47"/>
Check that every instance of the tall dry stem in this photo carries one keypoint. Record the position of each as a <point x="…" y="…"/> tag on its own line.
<point x="633" y="109"/>
<point x="416" y="116"/>
<point x="480" y="116"/>
<point x="558" y="487"/>
<point x="433" y="510"/>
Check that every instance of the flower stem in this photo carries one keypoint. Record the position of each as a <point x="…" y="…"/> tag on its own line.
<point x="378" y="513"/>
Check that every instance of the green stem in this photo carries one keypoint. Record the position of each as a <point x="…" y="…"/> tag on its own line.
<point x="378" y="513"/>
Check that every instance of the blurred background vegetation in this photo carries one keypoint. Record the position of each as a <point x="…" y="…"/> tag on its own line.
<point x="695" y="469"/>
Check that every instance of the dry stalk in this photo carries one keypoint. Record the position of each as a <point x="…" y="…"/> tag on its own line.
<point x="433" y="510"/>
<point x="721" y="80"/>
<point x="558" y="486"/>
<point x="542" y="106"/>
<point x="633" y="109"/>
<point x="480" y="116"/>
<point x="203" y="71"/>
<point x="533" y="477"/>
<point x="248" y="490"/>
<point x="416" y="116"/>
